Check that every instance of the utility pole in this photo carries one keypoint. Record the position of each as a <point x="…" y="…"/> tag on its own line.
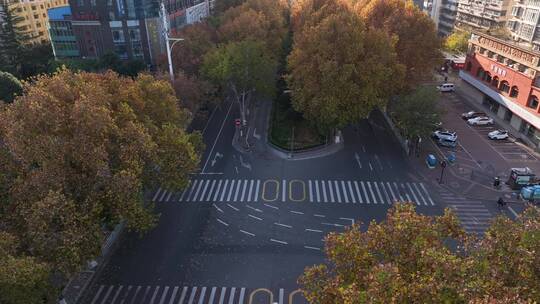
<point x="443" y="165"/>
<point x="166" y="28"/>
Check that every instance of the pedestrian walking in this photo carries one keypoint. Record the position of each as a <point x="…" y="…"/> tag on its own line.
<point x="501" y="203"/>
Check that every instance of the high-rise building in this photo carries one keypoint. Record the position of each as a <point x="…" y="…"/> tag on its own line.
<point x="443" y="13"/>
<point x="523" y="22"/>
<point x="63" y="41"/>
<point x="34" y="16"/>
<point x="482" y="14"/>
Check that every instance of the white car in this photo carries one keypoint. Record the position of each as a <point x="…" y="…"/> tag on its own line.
<point x="480" y="121"/>
<point x="498" y="134"/>
<point x="448" y="135"/>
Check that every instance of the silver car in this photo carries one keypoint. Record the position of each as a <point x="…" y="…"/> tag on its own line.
<point x="449" y="135"/>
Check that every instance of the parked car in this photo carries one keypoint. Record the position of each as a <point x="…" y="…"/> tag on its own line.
<point x="447" y="142"/>
<point x="480" y="121"/>
<point x="498" y="134"/>
<point x="444" y="134"/>
<point x="472" y="114"/>
<point x="446" y="87"/>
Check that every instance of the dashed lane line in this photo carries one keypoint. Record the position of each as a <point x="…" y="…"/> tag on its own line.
<point x="283" y="225"/>
<point x="222" y="222"/>
<point x="313" y="248"/>
<point x="270" y="206"/>
<point x="278" y="241"/>
<point x="233" y="207"/>
<point x="255" y="217"/>
<point x="313" y="230"/>
<point x="296" y="212"/>
<point x="254" y="209"/>
<point x="218" y="209"/>
<point x="248" y="233"/>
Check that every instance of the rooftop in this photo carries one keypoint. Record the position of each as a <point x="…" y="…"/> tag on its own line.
<point x="58" y="13"/>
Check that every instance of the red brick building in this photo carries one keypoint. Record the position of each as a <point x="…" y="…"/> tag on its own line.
<point x="507" y="77"/>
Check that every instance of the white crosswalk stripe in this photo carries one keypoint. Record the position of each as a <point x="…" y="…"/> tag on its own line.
<point x="315" y="191"/>
<point x="473" y="214"/>
<point x="165" y="294"/>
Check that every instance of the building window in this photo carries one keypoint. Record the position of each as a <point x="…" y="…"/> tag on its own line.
<point x="495" y="81"/>
<point x="480" y="73"/>
<point x="533" y="102"/>
<point x="487" y="77"/>
<point x="514" y="92"/>
<point x="504" y="87"/>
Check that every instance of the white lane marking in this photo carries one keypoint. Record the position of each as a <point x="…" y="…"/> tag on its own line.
<point x="237" y="191"/>
<point x="181" y="199"/>
<point x="405" y="191"/>
<point x="194" y="199"/>
<point x="353" y="199"/>
<point x="332" y="224"/>
<point x="253" y="216"/>
<point x="256" y="194"/>
<point x="168" y="196"/>
<point x="319" y="215"/>
<point x="371" y="191"/>
<point x="513" y="212"/>
<point x="248" y="233"/>
<point x="420" y="193"/>
<point x="358" y="192"/>
<point x="365" y="192"/>
<point x="218" y="209"/>
<point x="310" y="191"/>
<point x="370" y="166"/>
<point x="398" y="192"/>
<point x="217" y="137"/>
<point x="117" y="293"/>
<point x="378" y="192"/>
<point x="427" y="194"/>
<point x="313" y="230"/>
<point x="212" y="295"/>
<point x="209" y="119"/>
<point x="231" y="189"/>
<point x="216" y="194"/>
<point x="283" y="225"/>
<point x="231" y="296"/>
<point x="162" y="195"/>
<point x="337" y="191"/>
<point x="317" y="191"/>
<point x="345" y="196"/>
<point x="173" y="296"/>
<point x="191" y="190"/>
<point x="331" y="191"/>
<point x="252" y="182"/>
<point x="388" y="199"/>
<point x="243" y="290"/>
<point x="204" y="190"/>
<point x="284" y="192"/>
<point x="192" y="295"/>
<point x="347" y="219"/>
<point x="296" y="212"/>
<point x="224" y="190"/>
<point x="253" y="208"/>
<point x="153" y="295"/>
<point x="278" y="241"/>
<point x="232" y="207"/>
<point x="211" y="190"/>
<point x="270" y="206"/>
<point x="222" y="222"/>
<point x="314" y="248"/>
<point x="244" y="188"/>
<point x="221" y="296"/>
<point x="416" y="200"/>
<point x="155" y="195"/>
<point x="394" y="199"/>
<point x="201" y="296"/>
<point x="324" y="191"/>
<point x="136" y="293"/>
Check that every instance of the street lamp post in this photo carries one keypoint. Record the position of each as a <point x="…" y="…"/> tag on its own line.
<point x="169" y="46"/>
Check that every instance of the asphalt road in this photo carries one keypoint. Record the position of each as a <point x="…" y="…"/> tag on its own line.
<point x="248" y="225"/>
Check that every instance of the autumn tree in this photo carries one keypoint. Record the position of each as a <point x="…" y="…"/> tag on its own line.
<point x="242" y="69"/>
<point x="194" y="93"/>
<point x="223" y="5"/>
<point x="457" y="42"/>
<point x="413" y="258"/>
<point x="79" y="149"/>
<point x="416" y="113"/>
<point x="258" y="20"/>
<point x="417" y="44"/>
<point x="340" y="70"/>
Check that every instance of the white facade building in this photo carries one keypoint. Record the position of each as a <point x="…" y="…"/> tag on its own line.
<point x="523" y="22"/>
<point x="482" y="14"/>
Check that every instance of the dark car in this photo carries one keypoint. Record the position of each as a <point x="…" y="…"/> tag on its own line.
<point x="472" y="114"/>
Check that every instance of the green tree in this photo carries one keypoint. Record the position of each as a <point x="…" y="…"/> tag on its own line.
<point x="82" y="148"/>
<point x="339" y="70"/>
<point x="10" y="87"/>
<point x="416" y="113"/>
<point x="457" y="42"/>
<point x="36" y="59"/>
<point x="243" y="69"/>
<point x="224" y="5"/>
<point x="417" y="43"/>
<point x="413" y="258"/>
<point x="13" y="37"/>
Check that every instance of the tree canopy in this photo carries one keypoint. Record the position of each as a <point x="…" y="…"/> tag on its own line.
<point x="457" y="42"/>
<point x="412" y="258"/>
<point x="339" y="69"/>
<point x="77" y="151"/>
<point x="417" y="46"/>
<point x="416" y="113"/>
<point x="10" y="87"/>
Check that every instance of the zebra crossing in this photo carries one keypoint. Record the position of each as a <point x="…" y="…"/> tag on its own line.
<point x="140" y="294"/>
<point x="473" y="215"/>
<point x="314" y="191"/>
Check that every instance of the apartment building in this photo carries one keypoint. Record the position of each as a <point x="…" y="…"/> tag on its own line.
<point x="63" y="40"/>
<point x="443" y="13"/>
<point x="34" y="14"/>
<point x="523" y="22"/>
<point x="482" y="14"/>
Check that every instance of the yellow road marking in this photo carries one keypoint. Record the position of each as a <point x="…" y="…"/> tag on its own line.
<point x="252" y="294"/>
<point x="303" y="190"/>
<point x="292" y="294"/>
<point x="264" y="190"/>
